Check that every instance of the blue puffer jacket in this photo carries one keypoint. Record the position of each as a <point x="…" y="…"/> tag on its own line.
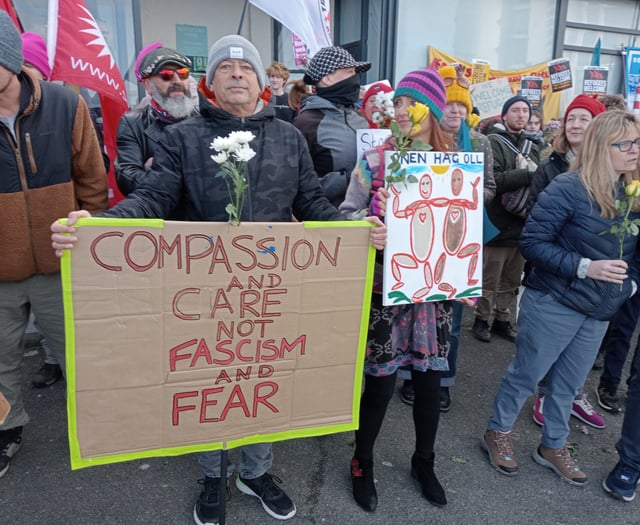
<point x="564" y="226"/>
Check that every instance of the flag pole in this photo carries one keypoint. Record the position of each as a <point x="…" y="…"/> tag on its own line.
<point x="244" y="11"/>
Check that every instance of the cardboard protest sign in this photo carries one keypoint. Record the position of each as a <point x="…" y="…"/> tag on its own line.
<point x="5" y="408"/>
<point x="434" y="222"/>
<point x="185" y="336"/>
<point x="489" y="96"/>
<point x="367" y="139"/>
<point x="560" y="74"/>
<point x="595" y="80"/>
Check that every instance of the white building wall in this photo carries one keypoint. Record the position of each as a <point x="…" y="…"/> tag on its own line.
<point x="510" y="34"/>
<point x="159" y="19"/>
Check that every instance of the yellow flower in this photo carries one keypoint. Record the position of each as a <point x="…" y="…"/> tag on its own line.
<point x="417" y="113"/>
<point x="633" y="189"/>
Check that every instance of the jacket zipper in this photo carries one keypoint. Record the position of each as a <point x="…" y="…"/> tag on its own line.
<point x="25" y="186"/>
<point x="32" y="159"/>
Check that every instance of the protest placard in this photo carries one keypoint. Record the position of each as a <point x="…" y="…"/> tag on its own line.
<point x="480" y="70"/>
<point x="560" y="74"/>
<point x="595" y="80"/>
<point x="490" y="96"/>
<point x="434" y="222"/>
<point x="532" y="90"/>
<point x="367" y="139"/>
<point x="185" y="336"/>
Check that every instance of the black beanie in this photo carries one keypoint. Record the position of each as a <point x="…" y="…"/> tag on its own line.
<point x="512" y="101"/>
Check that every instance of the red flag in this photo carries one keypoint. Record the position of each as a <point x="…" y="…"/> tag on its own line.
<point x="7" y="5"/>
<point x="81" y="56"/>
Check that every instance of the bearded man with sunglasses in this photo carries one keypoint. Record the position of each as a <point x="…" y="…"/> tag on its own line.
<point x="166" y="76"/>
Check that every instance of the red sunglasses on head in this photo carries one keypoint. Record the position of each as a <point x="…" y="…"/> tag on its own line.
<point x="167" y="74"/>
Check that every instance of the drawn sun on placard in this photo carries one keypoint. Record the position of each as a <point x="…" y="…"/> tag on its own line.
<point x="439" y="169"/>
<point x="99" y="40"/>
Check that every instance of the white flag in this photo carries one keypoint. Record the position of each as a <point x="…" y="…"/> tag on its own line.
<point x="308" y="19"/>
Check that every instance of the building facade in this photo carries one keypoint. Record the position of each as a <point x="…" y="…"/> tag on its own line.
<point x="393" y="34"/>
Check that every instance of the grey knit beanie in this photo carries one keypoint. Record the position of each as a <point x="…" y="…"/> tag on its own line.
<point x="10" y="44"/>
<point x="235" y="47"/>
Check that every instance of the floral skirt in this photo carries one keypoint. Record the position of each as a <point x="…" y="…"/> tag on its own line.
<point x="416" y="336"/>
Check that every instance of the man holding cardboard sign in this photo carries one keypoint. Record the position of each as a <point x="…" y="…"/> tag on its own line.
<point x="281" y="184"/>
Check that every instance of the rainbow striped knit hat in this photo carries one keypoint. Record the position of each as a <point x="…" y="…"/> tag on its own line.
<point x="425" y="86"/>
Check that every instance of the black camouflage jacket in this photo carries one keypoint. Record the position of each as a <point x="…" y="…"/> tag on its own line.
<point x="282" y="182"/>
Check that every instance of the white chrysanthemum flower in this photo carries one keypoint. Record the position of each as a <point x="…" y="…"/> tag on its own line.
<point x="220" y="158"/>
<point x="241" y="137"/>
<point x="244" y="153"/>
<point x="221" y="143"/>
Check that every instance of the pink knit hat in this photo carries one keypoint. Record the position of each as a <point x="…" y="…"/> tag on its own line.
<point x="34" y="50"/>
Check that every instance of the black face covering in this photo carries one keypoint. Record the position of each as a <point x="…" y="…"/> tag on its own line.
<point x="343" y="93"/>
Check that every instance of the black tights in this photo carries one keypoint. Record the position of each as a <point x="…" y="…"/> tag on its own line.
<point x="373" y="407"/>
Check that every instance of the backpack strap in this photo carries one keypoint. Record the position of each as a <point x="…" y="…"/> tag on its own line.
<point x="507" y="142"/>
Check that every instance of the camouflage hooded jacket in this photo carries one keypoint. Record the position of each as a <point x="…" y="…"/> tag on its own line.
<point x="282" y="182"/>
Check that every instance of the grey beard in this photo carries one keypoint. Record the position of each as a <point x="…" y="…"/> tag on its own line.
<point x="178" y="108"/>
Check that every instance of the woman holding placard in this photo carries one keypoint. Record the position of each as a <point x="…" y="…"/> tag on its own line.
<point x="415" y="335"/>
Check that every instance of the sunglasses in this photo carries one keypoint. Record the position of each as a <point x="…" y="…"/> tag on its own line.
<point x="462" y="82"/>
<point x="167" y="74"/>
<point x="626" y="145"/>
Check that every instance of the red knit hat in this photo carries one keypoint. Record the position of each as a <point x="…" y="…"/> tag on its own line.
<point x="591" y="104"/>
<point x="374" y="89"/>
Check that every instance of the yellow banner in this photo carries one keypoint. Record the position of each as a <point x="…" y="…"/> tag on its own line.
<point x="550" y="100"/>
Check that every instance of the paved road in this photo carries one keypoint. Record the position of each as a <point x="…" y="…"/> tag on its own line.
<point x="40" y="488"/>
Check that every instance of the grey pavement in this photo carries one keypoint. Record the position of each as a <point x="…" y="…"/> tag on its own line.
<point x="40" y="487"/>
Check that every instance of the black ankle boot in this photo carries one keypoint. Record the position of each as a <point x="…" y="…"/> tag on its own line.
<point x="364" y="488"/>
<point x="422" y="470"/>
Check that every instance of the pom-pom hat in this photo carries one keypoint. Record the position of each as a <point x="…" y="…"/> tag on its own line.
<point x="426" y="87"/>
<point x="374" y="89"/>
<point x="457" y="87"/>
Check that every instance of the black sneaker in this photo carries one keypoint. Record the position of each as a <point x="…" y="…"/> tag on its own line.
<point x="445" y="399"/>
<point x="10" y="441"/>
<point x="207" y="509"/>
<point x="47" y="375"/>
<point x="274" y="500"/>
<point x="607" y="397"/>
<point x="407" y="395"/>
<point x="481" y="331"/>
<point x="504" y="330"/>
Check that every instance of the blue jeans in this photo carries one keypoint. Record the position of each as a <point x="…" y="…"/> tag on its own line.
<point x="617" y="341"/>
<point x="255" y="460"/>
<point x="449" y="378"/>
<point x="629" y="444"/>
<point x="566" y="348"/>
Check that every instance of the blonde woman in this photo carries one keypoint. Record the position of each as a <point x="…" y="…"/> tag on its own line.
<point x="577" y="283"/>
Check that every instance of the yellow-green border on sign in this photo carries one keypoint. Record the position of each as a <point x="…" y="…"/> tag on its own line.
<point x="77" y="461"/>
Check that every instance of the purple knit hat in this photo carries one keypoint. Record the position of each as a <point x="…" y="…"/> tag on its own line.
<point x="425" y="86"/>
